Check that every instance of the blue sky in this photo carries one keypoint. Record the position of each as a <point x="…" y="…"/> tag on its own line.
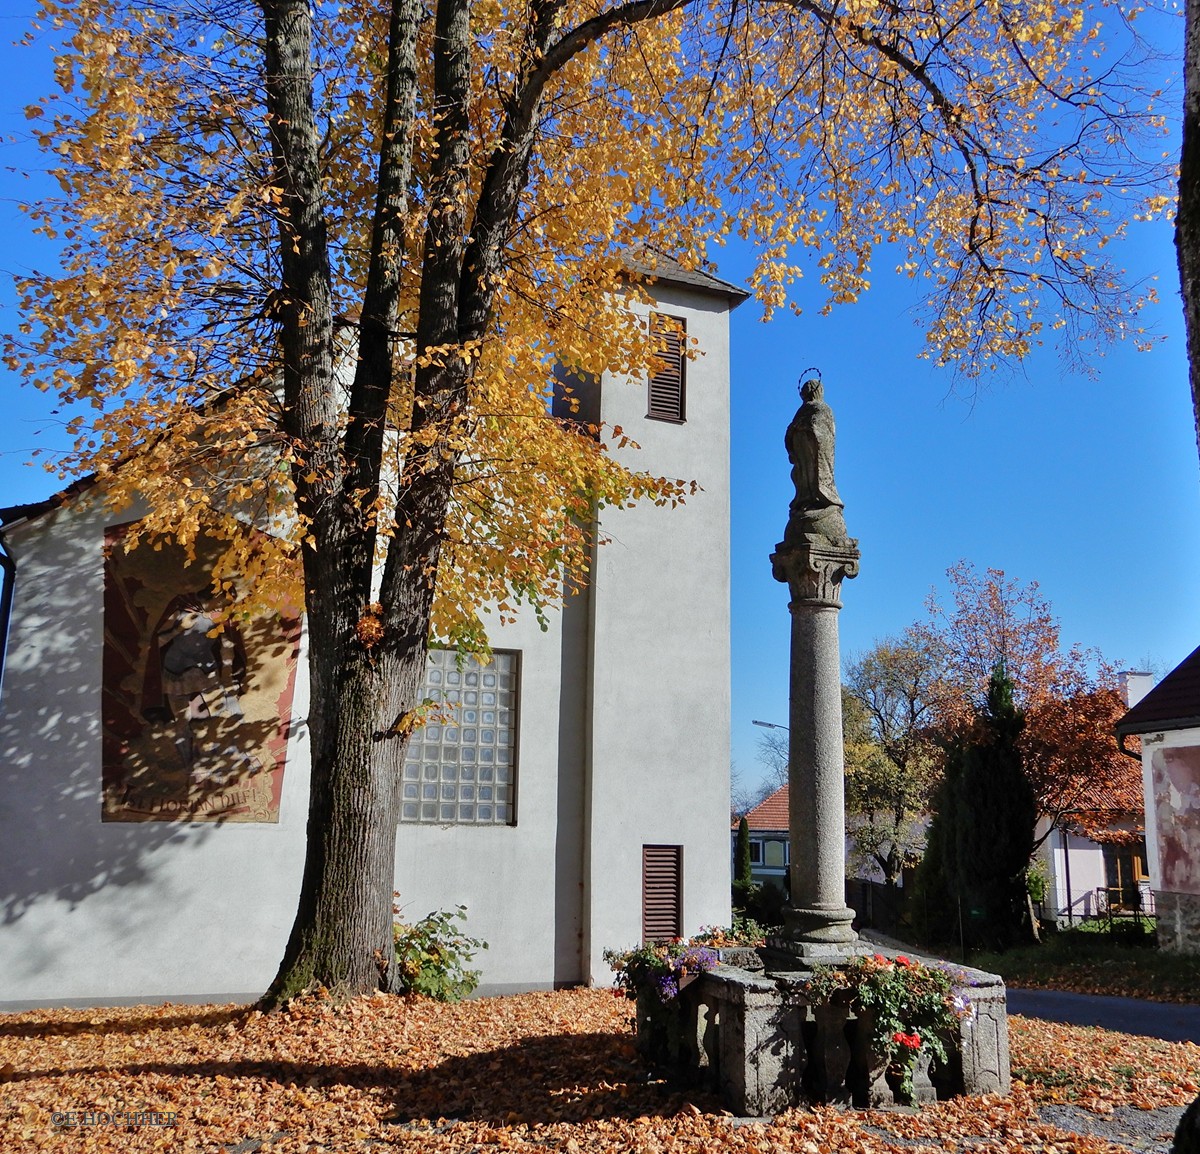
<point x="1088" y="485"/>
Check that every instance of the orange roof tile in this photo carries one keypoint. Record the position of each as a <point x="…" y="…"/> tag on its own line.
<point x="771" y="813"/>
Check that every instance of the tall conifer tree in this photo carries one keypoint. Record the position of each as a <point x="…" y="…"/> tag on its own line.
<point x="984" y="826"/>
<point x="743" y="873"/>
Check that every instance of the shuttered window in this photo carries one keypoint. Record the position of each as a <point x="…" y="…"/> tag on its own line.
<point x="662" y="892"/>
<point x="668" y="371"/>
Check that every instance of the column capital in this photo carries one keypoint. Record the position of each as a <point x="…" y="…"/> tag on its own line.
<point x="814" y="566"/>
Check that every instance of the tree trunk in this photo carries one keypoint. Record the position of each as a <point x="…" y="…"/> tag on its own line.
<point x="1035" y="929"/>
<point x="365" y="684"/>
<point x="342" y="935"/>
<point x="1187" y="219"/>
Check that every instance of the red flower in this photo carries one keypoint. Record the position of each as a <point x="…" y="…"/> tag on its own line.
<point x="901" y="960"/>
<point x="908" y="1041"/>
<point x="879" y="958"/>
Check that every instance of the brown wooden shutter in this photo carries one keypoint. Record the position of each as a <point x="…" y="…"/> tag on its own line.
<point x="667" y="378"/>
<point x="662" y="892"/>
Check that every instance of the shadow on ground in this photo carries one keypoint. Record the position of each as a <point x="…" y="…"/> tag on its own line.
<point x="544" y="1079"/>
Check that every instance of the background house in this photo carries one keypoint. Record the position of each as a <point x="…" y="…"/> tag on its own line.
<point x="1095" y="859"/>
<point x="578" y="803"/>
<point x="1167" y="719"/>
<point x="768" y="825"/>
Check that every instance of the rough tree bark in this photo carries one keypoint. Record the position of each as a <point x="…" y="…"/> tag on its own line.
<point x="1187" y="219"/>
<point x="342" y="933"/>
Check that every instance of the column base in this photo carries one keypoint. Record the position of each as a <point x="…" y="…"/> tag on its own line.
<point x="819" y="927"/>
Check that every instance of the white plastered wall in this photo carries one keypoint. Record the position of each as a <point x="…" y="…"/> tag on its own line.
<point x="623" y="721"/>
<point x="660" y="695"/>
<point x="103" y="911"/>
<point x="623" y="741"/>
<point x="1173" y="739"/>
<point x="521" y="882"/>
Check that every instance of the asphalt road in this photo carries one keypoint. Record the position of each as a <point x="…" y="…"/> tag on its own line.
<point x="1173" y="1023"/>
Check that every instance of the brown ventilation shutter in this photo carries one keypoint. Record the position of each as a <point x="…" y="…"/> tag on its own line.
<point x="662" y="892"/>
<point x="667" y="379"/>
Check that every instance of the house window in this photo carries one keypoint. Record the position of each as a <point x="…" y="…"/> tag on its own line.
<point x="756" y="852"/>
<point x="662" y="892"/>
<point x="1124" y="870"/>
<point x="668" y="376"/>
<point x="776" y="854"/>
<point x="576" y="398"/>
<point x="462" y="770"/>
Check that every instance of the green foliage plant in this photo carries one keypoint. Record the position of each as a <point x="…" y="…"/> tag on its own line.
<point x="432" y="956"/>
<point x="744" y="931"/>
<point x="1036" y="880"/>
<point x="913" y="1008"/>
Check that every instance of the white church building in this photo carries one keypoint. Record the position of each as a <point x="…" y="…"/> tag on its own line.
<point x="581" y="802"/>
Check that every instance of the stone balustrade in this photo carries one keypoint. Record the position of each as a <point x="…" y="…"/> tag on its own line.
<point x="757" y="1039"/>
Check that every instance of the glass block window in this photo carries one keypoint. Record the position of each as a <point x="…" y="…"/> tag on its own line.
<point x="462" y="771"/>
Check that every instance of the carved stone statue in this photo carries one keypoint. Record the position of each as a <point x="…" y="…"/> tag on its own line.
<point x="816" y="510"/>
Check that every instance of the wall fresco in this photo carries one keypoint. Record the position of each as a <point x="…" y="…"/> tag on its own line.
<point x="1176" y="773"/>
<point x="197" y="698"/>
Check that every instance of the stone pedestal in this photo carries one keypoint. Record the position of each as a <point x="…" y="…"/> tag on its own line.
<point x="816" y="918"/>
<point x="755" y="1037"/>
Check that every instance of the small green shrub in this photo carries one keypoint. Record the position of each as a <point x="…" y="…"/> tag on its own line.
<point x="762" y="904"/>
<point x="743" y="893"/>
<point x="1138" y="932"/>
<point x="744" y="932"/>
<point x="1036" y="880"/>
<point x="432" y="954"/>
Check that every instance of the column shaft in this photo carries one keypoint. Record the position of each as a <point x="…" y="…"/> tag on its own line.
<point x="817" y="808"/>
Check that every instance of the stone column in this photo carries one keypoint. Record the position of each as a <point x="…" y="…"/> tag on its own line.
<point x="816" y="919"/>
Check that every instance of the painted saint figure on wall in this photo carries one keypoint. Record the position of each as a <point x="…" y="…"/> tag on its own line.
<point x="195" y="669"/>
<point x="197" y="701"/>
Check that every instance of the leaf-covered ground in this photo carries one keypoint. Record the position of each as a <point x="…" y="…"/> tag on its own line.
<point x="534" y="1072"/>
<point x="1087" y="964"/>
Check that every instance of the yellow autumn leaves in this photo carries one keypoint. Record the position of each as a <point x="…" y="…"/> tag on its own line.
<point x="978" y="138"/>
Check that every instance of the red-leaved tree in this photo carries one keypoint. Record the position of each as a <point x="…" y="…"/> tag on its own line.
<point x="1070" y="696"/>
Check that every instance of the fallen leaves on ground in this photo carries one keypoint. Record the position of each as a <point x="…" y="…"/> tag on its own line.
<point x="542" y="1071"/>
<point x="1101" y="1069"/>
<point x="1127" y="972"/>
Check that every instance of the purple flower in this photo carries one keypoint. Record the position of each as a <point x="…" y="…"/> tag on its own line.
<point x="668" y="987"/>
<point x="698" y="959"/>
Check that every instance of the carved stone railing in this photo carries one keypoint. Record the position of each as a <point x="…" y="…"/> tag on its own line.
<point x="757" y="1040"/>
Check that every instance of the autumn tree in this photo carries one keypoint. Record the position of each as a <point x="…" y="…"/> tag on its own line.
<point x="889" y="714"/>
<point x="1069" y="697"/>
<point x="772" y="754"/>
<point x="318" y="262"/>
